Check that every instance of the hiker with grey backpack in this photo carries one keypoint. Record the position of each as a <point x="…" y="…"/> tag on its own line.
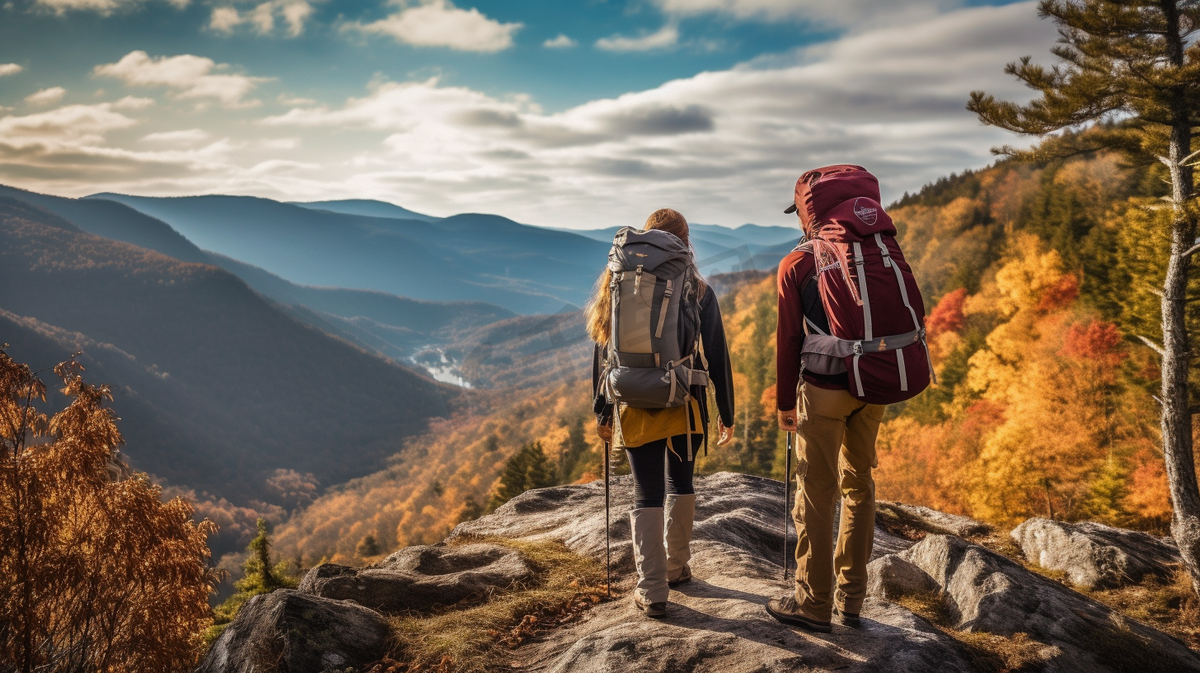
<point x="660" y="344"/>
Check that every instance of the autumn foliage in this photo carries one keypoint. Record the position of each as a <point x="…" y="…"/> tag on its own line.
<point x="96" y="572"/>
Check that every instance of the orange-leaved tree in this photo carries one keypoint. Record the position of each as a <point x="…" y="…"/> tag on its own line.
<point x="1134" y="64"/>
<point x="96" y="572"/>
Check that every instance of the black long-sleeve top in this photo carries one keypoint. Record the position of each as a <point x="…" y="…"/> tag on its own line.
<point x="716" y="351"/>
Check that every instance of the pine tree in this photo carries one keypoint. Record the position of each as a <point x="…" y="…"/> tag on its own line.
<point x="572" y="450"/>
<point x="367" y="546"/>
<point x="262" y="576"/>
<point x="538" y="474"/>
<point x="527" y="468"/>
<point x="1133" y="64"/>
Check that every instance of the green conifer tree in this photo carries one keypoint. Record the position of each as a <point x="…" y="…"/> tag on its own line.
<point x="261" y="577"/>
<point x="538" y="474"/>
<point x="1136" y="65"/>
<point x="367" y="546"/>
<point x="572" y="450"/>
<point x="512" y="479"/>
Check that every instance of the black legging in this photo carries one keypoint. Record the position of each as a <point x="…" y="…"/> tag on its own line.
<point x="658" y="470"/>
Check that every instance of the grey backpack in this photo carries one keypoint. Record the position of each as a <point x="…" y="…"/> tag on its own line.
<point x="654" y="355"/>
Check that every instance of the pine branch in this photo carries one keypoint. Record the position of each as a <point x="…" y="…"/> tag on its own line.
<point x="1153" y="346"/>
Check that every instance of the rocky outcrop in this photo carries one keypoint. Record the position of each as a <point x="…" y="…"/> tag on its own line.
<point x="741" y="511"/>
<point x="290" y="632"/>
<point x="716" y="623"/>
<point x="421" y="578"/>
<point x="1096" y="556"/>
<point x="986" y="592"/>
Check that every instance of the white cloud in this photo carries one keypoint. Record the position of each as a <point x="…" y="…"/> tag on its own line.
<point x="46" y="96"/>
<point x="438" y="23"/>
<point x="224" y="19"/>
<point x="665" y="37"/>
<point x="67" y="149"/>
<point x="85" y="124"/>
<point x="290" y="143"/>
<point x="133" y="103"/>
<point x="186" y="137"/>
<point x="262" y="17"/>
<point x="722" y="146"/>
<point x="560" y="42"/>
<point x="285" y="99"/>
<point x="820" y="12"/>
<point x="7" y="69"/>
<point x="190" y="77"/>
<point x="98" y="6"/>
<point x="295" y="13"/>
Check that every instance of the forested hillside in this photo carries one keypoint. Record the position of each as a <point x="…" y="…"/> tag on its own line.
<point x="218" y="390"/>
<point x="1040" y="288"/>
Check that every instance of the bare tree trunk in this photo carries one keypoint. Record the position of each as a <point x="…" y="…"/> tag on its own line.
<point x="1176" y="414"/>
<point x="1176" y="357"/>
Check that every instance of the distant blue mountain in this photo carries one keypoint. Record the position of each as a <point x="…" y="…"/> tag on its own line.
<point x="367" y="207"/>
<point x="723" y="249"/>
<point x="394" y="326"/>
<point x="469" y="257"/>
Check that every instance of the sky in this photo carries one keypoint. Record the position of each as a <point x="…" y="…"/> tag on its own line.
<point x="584" y="114"/>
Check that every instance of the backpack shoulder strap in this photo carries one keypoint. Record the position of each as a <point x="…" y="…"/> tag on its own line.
<point x="806" y="246"/>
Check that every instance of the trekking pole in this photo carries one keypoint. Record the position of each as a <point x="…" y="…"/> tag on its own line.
<point x="787" y="492"/>
<point x="607" y="543"/>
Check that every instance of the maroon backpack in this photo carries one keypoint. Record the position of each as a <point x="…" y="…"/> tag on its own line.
<point x="876" y="316"/>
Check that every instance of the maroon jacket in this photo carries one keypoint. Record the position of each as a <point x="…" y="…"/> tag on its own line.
<point x="798" y="296"/>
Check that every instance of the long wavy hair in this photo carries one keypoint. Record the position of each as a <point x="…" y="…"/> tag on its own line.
<point x="599" y="308"/>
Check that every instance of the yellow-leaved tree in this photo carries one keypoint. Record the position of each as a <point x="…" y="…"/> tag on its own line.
<point x="96" y="572"/>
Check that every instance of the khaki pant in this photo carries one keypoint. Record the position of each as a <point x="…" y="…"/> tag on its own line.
<point x="836" y="447"/>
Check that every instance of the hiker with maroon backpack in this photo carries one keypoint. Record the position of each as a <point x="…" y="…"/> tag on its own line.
<point x="851" y="340"/>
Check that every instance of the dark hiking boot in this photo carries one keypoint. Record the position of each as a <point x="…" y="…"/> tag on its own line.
<point x="787" y="610"/>
<point x="652" y="610"/>
<point x="684" y="578"/>
<point x="849" y="619"/>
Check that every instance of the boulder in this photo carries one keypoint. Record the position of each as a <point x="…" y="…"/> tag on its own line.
<point x="892" y="577"/>
<point x="987" y="592"/>
<point x="287" y="631"/>
<point x="420" y="578"/>
<point x="1096" y="556"/>
<point x="925" y="520"/>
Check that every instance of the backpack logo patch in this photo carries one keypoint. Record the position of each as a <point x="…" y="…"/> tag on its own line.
<point x="866" y="212"/>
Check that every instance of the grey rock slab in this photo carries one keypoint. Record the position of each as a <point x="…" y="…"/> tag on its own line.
<point x="719" y="625"/>
<point x="423" y="577"/>
<point x="987" y="592"/>
<point x="1094" y="555"/>
<point x="717" y="622"/>
<point x="931" y="520"/>
<point x="739" y="510"/>
<point x="290" y="632"/>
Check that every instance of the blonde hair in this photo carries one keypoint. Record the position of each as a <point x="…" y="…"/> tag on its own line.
<point x="598" y="313"/>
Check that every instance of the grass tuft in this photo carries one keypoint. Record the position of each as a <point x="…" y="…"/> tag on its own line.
<point x="476" y="638"/>
<point x="988" y="652"/>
